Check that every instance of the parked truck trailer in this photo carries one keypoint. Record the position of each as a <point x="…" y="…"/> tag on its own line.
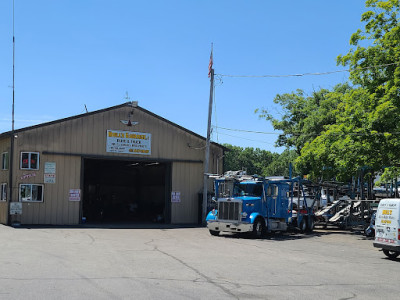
<point x="250" y="204"/>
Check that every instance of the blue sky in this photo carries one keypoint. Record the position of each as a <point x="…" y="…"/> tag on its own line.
<point x="71" y="53"/>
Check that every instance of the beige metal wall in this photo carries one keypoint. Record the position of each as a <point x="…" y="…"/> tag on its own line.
<point x="4" y="178"/>
<point x="67" y="141"/>
<point x="188" y="180"/>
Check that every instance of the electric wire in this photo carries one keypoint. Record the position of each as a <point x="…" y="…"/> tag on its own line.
<point x="300" y="75"/>
<point x="244" y="130"/>
<point x="312" y="134"/>
<point x="247" y="139"/>
<point x="309" y="74"/>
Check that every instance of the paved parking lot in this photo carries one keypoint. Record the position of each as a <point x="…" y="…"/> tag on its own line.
<point x="189" y="263"/>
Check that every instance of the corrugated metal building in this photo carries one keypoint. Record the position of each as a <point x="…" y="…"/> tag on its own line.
<point x="120" y="164"/>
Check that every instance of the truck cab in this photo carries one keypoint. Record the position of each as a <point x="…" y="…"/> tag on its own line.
<point x="252" y="204"/>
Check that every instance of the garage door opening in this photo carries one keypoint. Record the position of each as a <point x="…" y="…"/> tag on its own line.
<point x="125" y="191"/>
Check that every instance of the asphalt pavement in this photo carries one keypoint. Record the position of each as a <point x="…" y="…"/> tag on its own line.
<point x="167" y="262"/>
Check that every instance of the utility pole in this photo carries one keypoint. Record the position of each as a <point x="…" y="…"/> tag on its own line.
<point x="207" y="158"/>
<point x="11" y="156"/>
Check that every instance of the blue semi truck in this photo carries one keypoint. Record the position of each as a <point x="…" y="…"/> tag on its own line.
<point x="250" y="204"/>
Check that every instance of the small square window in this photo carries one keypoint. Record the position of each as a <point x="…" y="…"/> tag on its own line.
<point x="4" y="161"/>
<point x="29" y="160"/>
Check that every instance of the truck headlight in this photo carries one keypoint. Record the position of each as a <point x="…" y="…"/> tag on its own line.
<point x="244" y="214"/>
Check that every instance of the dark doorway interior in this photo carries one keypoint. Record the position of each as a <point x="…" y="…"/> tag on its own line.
<point x="125" y="191"/>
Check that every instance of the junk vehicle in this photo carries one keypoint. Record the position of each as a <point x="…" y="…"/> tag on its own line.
<point x="258" y="205"/>
<point x="370" y="230"/>
<point x="387" y="227"/>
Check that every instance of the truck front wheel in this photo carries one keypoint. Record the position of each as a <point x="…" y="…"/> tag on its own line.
<point x="214" y="232"/>
<point x="258" y="228"/>
<point x="391" y="254"/>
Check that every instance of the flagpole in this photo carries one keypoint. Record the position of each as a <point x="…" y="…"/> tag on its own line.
<point x="207" y="158"/>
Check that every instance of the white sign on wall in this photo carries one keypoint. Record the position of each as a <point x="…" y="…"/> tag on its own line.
<point x="128" y="142"/>
<point x="74" y="195"/>
<point x="49" y="172"/>
<point x="50" y="167"/>
<point x="176" y="197"/>
<point x="49" y="178"/>
<point x="15" y="208"/>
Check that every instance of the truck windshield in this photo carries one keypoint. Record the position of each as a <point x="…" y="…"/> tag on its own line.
<point x="247" y="189"/>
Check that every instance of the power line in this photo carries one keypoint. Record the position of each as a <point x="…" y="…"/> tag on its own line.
<point x="310" y="134"/>
<point x="242" y="138"/>
<point x="309" y="74"/>
<point x="243" y="130"/>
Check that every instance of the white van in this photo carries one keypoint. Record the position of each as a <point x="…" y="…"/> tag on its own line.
<point x="387" y="227"/>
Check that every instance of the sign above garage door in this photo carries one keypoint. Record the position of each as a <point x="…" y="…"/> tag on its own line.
<point x="128" y="142"/>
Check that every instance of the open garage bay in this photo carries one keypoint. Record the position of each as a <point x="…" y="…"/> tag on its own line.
<point x="118" y="191"/>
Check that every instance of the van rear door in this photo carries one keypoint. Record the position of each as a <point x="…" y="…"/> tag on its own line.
<point x="387" y="222"/>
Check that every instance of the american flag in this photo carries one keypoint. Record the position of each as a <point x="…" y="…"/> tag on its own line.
<point x="210" y="64"/>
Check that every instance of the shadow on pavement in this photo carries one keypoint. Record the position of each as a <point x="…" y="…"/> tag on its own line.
<point x="111" y="226"/>
<point x="293" y="234"/>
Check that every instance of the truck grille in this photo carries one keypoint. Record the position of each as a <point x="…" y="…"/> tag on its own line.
<point x="229" y="210"/>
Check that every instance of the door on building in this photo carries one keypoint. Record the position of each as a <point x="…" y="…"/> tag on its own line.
<point x="126" y="191"/>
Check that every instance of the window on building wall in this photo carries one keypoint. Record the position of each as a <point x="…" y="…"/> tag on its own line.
<point x="31" y="192"/>
<point x="3" y="192"/>
<point x="4" y="161"/>
<point x="29" y="160"/>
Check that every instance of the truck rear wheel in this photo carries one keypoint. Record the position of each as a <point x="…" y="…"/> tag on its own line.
<point x="303" y="225"/>
<point x="310" y="223"/>
<point x="391" y="254"/>
<point x="258" y="228"/>
<point x="214" y="232"/>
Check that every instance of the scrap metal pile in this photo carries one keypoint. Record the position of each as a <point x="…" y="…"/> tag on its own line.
<point x="339" y="207"/>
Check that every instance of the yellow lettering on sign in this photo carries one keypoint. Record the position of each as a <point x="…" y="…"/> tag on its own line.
<point x="135" y="136"/>
<point x="387" y="212"/>
<point x="115" y="134"/>
<point x="386" y="222"/>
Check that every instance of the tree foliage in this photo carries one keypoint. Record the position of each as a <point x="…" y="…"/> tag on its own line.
<point x="304" y="117"/>
<point x="340" y="132"/>
<point x="257" y="161"/>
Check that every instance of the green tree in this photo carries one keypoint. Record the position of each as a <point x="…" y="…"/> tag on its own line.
<point x="363" y="128"/>
<point x="304" y="117"/>
<point x="257" y="161"/>
<point x="280" y="164"/>
<point x="374" y="62"/>
<point x="249" y="159"/>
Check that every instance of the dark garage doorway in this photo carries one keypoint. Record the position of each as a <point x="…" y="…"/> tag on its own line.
<point x="118" y="191"/>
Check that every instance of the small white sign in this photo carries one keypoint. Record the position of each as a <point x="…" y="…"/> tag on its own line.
<point x="50" y="168"/>
<point x="49" y="178"/>
<point x="176" y="197"/>
<point x="15" y="208"/>
<point x="75" y="195"/>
